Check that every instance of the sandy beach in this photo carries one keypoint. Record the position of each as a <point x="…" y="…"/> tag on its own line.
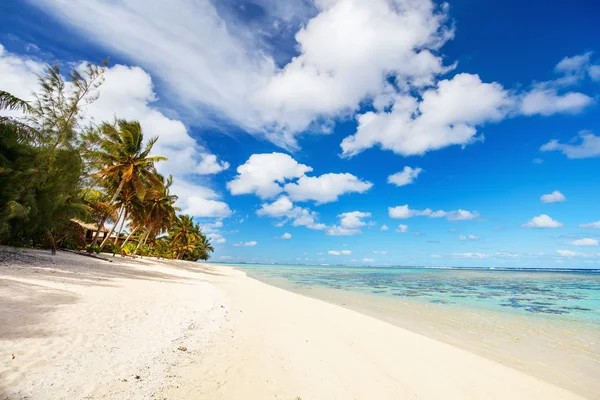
<point x="74" y="327"/>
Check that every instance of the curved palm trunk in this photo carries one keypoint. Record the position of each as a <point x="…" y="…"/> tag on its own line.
<point x="121" y="228"/>
<point x="129" y="236"/>
<point x="140" y="242"/>
<point x="112" y="201"/>
<point x="113" y="228"/>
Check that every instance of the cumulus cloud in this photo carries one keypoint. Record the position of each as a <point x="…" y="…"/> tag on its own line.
<point x="588" y="146"/>
<point x="199" y="201"/>
<point x="447" y="115"/>
<point x="591" y="225"/>
<point x="286" y="236"/>
<point x="368" y="260"/>
<point x="554" y="197"/>
<point x="587" y="242"/>
<point x="350" y="224"/>
<point x="346" y="54"/>
<point x="546" y="101"/>
<point x="266" y="175"/>
<point x="284" y="209"/>
<point x="325" y="188"/>
<point x="402" y="228"/>
<point x="384" y="228"/>
<point x="405" y="212"/>
<point x="404" y="177"/>
<point x="542" y="221"/>
<point x="551" y="97"/>
<point x="216" y="237"/>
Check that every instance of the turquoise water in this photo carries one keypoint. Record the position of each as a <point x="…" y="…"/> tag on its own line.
<point x="560" y="295"/>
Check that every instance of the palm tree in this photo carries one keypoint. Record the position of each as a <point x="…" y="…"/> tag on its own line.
<point x="159" y="210"/>
<point x="183" y="235"/>
<point x="120" y="157"/>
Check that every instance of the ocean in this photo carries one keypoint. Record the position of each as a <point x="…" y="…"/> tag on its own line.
<point x="565" y="295"/>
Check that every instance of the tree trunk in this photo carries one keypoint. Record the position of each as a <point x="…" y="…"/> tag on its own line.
<point x="129" y="236"/>
<point x="100" y="226"/>
<point x="112" y="201"/>
<point x="140" y="242"/>
<point x="113" y="228"/>
<point x="116" y="242"/>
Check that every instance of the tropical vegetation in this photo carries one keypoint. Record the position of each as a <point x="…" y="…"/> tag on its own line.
<point x="58" y="173"/>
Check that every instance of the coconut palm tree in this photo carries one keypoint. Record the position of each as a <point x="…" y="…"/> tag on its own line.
<point x="121" y="157"/>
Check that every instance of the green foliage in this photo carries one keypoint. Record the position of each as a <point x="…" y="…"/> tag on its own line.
<point x="54" y="171"/>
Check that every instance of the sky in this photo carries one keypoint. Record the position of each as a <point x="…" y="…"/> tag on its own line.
<point x="379" y="132"/>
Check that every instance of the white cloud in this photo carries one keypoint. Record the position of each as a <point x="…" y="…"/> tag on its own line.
<point x="547" y="98"/>
<point x="588" y="147"/>
<point x="368" y="260"/>
<point x="225" y="258"/>
<point x="346" y="53"/>
<point x="436" y="256"/>
<point x="286" y="236"/>
<point x="542" y="221"/>
<point x="506" y="254"/>
<point x="350" y="224"/>
<point x="246" y="244"/>
<point x="461" y="215"/>
<point x="201" y="207"/>
<point x="546" y="101"/>
<point x="404" y="177"/>
<point x="405" y="212"/>
<point x="591" y="225"/>
<point x="325" y="188"/>
<point x="554" y="197"/>
<point x="384" y="228"/>
<point x="128" y="92"/>
<point x="339" y="253"/>
<point x="264" y="174"/>
<point x="568" y="253"/>
<point x="447" y="115"/>
<point x="284" y="208"/>
<point x="217" y="238"/>
<point x="402" y="228"/>
<point x="470" y="255"/>
<point x="380" y="252"/>
<point x="470" y="237"/>
<point x="587" y="242"/>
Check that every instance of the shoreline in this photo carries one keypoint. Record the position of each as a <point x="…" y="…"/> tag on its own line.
<point x="82" y="328"/>
<point x="532" y="344"/>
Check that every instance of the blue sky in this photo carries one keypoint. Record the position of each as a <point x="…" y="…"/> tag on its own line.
<point x="283" y="121"/>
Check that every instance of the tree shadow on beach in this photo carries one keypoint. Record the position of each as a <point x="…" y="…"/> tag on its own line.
<point x="29" y="279"/>
<point x="24" y="306"/>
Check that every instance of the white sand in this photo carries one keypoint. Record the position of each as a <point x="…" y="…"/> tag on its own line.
<point x="79" y="326"/>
